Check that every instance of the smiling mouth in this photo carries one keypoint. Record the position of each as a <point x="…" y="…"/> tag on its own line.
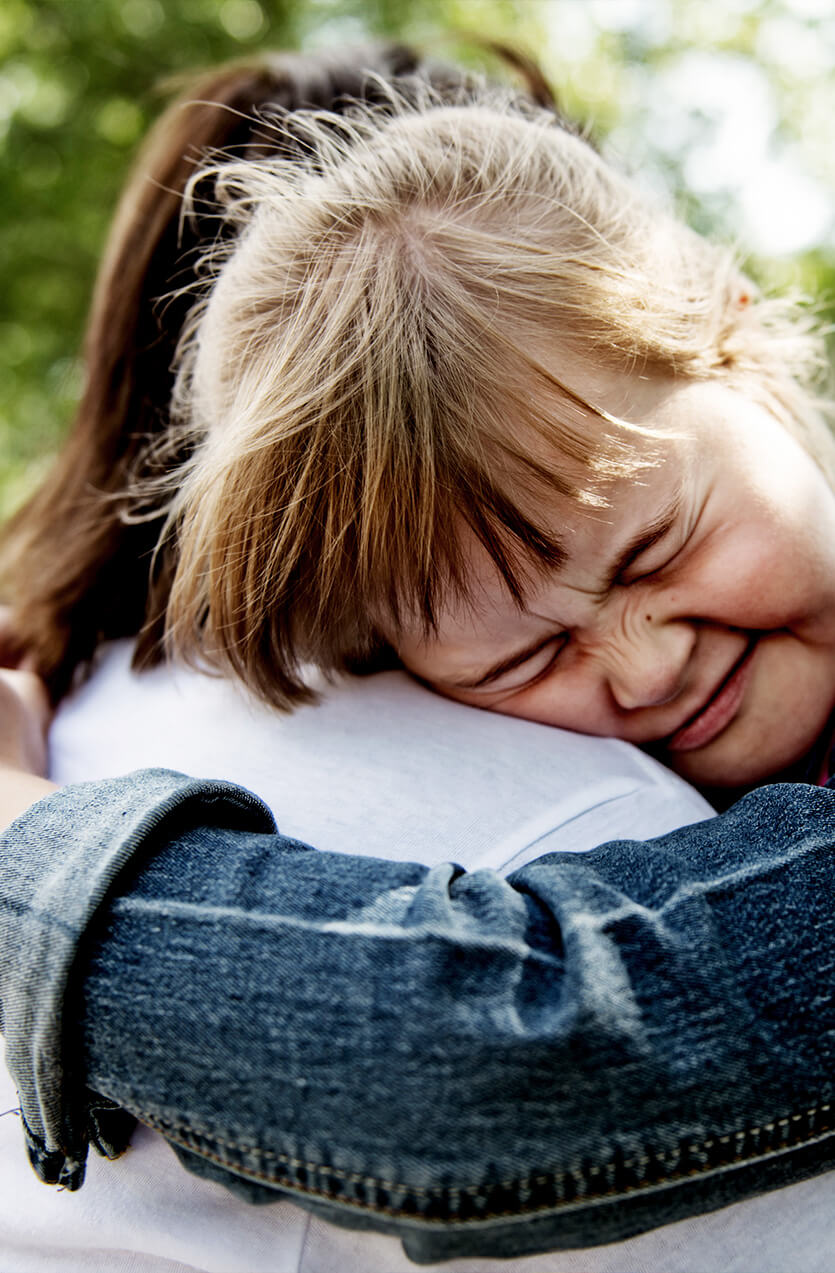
<point x="719" y="710"/>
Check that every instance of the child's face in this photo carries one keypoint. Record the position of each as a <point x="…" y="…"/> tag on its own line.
<point x="697" y="613"/>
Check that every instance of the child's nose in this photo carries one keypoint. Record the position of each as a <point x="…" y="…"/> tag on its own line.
<point x="647" y="660"/>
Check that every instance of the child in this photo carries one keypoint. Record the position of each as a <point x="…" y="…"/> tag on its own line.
<point x="448" y="366"/>
<point x="458" y="394"/>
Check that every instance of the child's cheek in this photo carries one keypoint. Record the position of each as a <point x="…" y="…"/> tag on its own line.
<point x="773" y="576"/>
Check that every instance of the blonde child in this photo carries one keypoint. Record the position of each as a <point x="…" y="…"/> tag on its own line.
<point x="453" y="393"/>
<point x="457" y="394"/>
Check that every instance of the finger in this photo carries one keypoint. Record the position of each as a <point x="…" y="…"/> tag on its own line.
<point x="10" y="651"/>
<point x="31" y="692"/>
<point x="24" y="719"/>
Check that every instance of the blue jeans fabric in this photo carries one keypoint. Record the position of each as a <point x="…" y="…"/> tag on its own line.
<point x="601" y="1043"/>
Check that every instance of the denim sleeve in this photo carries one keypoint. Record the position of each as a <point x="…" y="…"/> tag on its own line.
<point x="599" y="1044"/>
<point x="60" y="861"/>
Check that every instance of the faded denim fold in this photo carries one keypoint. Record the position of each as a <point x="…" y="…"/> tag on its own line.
<point x="596" y="1045"/>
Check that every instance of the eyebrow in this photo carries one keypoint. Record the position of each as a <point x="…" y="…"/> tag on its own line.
<point x="661" y="525"/>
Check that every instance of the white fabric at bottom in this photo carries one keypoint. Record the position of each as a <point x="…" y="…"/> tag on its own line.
<point x="144" y="1214"/>
<point x="380" y="767"/>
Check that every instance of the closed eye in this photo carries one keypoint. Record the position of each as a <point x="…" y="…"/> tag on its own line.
<point x="529" y="672"/>
<point x="645" y="564"/>
<point x="648" y="558"/>
<point x="552" y="651"/>
<point x="635" y="553"/>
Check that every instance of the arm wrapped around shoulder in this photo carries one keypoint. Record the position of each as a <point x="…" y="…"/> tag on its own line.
<point x="599" y="1044"/>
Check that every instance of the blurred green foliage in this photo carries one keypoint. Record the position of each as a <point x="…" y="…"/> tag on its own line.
<point x="77" y="91"/>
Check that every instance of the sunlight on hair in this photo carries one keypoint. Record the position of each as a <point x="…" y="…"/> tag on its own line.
<point x="371" y="366"/>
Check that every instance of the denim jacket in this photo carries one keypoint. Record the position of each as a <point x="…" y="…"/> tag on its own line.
<point x="598" y="1044"/>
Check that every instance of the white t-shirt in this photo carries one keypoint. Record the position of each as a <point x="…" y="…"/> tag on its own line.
<point x="381" y="767"/>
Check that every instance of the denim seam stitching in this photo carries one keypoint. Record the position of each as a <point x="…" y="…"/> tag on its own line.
<point x="439" y="1192"/>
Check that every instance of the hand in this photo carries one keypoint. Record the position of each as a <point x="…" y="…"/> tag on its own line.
<point x="24" y="720"/>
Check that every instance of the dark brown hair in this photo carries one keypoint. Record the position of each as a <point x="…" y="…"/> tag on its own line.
<point x="74" y="567"/>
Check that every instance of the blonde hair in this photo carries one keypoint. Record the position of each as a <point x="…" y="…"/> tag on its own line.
<point x="364" y="374"/>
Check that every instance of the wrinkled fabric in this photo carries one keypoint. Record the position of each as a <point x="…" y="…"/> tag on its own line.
<point x="596" y="1045"/>
<point x="60" y="861"/>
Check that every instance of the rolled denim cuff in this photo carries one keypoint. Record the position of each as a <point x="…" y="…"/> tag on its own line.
<point x="53" y="882"/>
